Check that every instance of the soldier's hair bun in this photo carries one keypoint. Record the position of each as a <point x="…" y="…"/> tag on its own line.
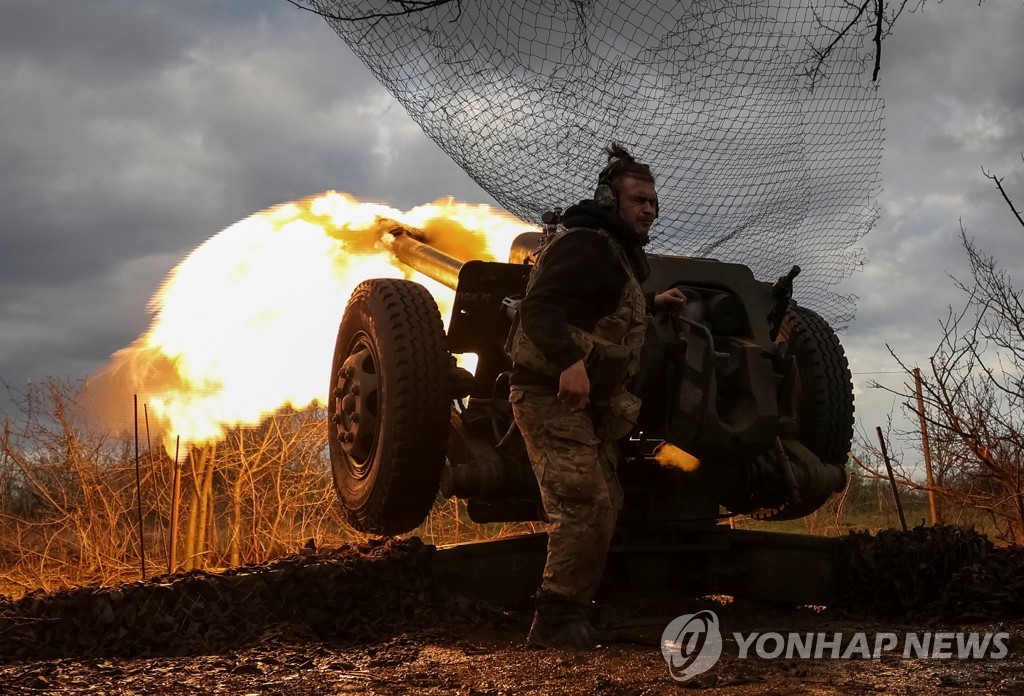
<point x="620" y="163"/>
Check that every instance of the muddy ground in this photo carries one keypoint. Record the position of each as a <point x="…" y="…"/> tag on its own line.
<point x="374" y="618"/>
<point x="490" y="657"/>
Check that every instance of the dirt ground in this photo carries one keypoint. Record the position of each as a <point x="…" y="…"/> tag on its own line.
<point x="462" y="658"/>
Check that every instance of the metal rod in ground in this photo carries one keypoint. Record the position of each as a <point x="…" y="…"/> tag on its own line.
<point x="172" y="557"/>
<point x="138" y="489"/>
<point x="892" y="479"/>
<point x="926" y="447"/>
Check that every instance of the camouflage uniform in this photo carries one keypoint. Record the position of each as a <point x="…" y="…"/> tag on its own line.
<point x="574" y="453"/>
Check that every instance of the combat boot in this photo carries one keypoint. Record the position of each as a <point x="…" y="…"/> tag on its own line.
<point x="558" y="622"/>
<point x="602" y="636"/>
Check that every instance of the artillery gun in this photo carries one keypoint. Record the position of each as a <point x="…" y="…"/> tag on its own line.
<point x="755" y="389"/>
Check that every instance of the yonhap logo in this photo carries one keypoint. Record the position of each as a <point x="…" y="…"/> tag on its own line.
<point x="691" y="644"/>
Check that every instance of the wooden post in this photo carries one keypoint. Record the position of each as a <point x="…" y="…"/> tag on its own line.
<point x="138" y="490"/>
<point x="196" y="460"/>
<point x="926" y="447"/>
<point x="5" y="500"/>
<point x="149" y="441"/>
<point x="892" y="478"/>
<point x="151" y="468"/>
<point x="172" y="556"/>
<point x="203" y="541"/>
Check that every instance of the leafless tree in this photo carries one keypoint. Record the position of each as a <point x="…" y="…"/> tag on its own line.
<point x="881" y="16"/>
<point x="973" y="391"/>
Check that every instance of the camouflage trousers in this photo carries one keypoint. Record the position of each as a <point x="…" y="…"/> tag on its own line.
<point x="578" y="487"/>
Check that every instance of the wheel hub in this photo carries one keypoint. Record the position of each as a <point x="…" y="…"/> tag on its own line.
<point x="356" y="407"/>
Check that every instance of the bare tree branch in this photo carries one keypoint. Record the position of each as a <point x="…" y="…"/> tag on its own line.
<point x="881" y="20"/>
<point x="1002" y="191"/>
<point x="973" y="397"/>
<point x="407" y="7"/>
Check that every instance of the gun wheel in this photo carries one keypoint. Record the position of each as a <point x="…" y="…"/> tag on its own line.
<point x="821" y="400"/>
<point x="389" y="404"/>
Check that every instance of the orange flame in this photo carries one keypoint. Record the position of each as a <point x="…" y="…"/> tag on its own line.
<point x="671" y="456"/>
<point x="245" y="325"/>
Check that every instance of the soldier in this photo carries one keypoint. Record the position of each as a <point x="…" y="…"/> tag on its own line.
<point x="577" y="344"/>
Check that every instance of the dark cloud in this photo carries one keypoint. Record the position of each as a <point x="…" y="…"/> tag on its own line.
<point x="97" y="42"/>
<point x="953" y="88"/>
<point x="130" y="132"/>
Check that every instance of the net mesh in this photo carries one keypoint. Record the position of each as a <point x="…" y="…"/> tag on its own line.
<point x="763" y="155"/>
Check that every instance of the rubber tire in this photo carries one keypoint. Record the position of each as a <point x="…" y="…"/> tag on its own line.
<point x="822" y="399"/>
<point x="392" y="490"/>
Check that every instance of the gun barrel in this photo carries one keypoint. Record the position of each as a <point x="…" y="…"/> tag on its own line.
<point x="426" y="259"/>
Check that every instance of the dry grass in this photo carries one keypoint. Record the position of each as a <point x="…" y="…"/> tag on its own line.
<point x="69" y="504"/>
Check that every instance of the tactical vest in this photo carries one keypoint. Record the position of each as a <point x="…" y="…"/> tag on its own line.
<point x="612" y="350"/>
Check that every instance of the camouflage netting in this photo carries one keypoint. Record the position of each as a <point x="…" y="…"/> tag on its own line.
<point x="931" y="574"/>
<point x="355" y="593"/>
<point x="373" y="591"/>
<point x="764" y="155"/>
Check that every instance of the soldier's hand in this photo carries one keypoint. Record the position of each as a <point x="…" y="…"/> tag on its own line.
<point x="671" y="299"/>
<point x="574" y="386"/>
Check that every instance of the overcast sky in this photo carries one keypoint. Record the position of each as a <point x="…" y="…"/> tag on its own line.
<point x="131" y="131"/>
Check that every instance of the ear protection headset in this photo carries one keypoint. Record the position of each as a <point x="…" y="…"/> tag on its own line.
<point x="605" y="194"/>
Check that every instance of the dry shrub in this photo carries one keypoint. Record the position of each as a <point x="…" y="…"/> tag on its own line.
<point x="69" y="510"/>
